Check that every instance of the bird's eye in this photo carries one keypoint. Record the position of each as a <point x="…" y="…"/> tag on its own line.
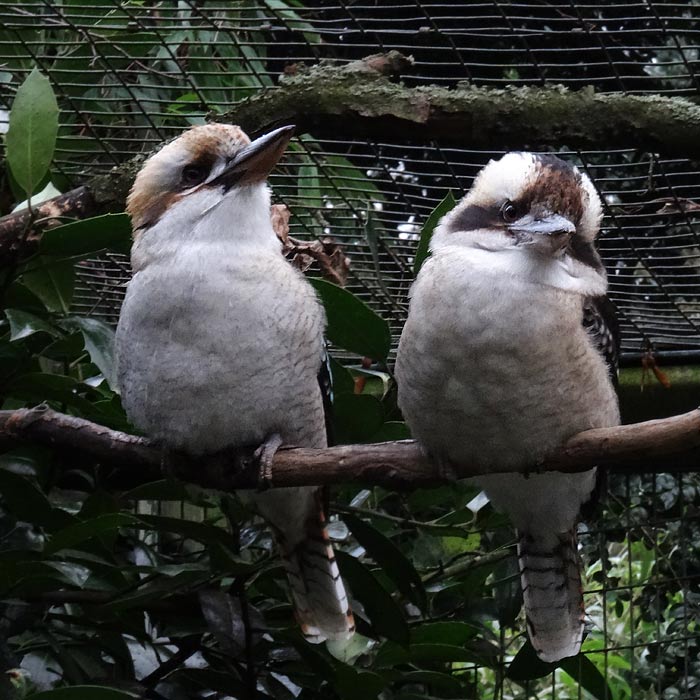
<point x="193" y="175"/>
<point x="509" y="212"/>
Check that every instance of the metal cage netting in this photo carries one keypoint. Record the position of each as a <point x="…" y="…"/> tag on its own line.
<point x="131" y="74"/>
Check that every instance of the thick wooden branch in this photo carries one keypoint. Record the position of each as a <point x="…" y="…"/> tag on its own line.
<point x="356" y="100"/>
<point x="359" y="100"/>
<point x="670" y="444"/>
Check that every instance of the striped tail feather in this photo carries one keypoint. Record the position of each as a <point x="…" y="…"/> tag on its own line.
<point x="550" y="572"/>
<point x="320" y="602"/>
<point x="299" y="524"/>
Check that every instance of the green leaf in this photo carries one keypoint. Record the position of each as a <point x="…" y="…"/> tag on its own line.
<point x="343" y="382"/>
<point x="99" y="342"/>
<point x="25" y="500"/>
<point x="24" y="324"/>
<point x="110" y="231"/>
<point x="423" y="250"/>
<point x="352" y="325"/>
<point x="354" y="683"/>
<point x="390" y="558"/>
<point x="588" y="676"/>
<point x="31" y="138"/>
<point x="445" y="684"/>
<point x="52" y="282"/>
<point x="356" y="418"/>
<point x="36" y="387"/>
<point x="281" y="9"/>
<point x="441" y="653"/>
<point x="89" y="529"/>
<point x="383" y="611"/>
<point x="526" y="665"/>
<point x="192" y="530"/>
<point x="309" y="185"/>
<point x="392" y="430"/>
<point x="454" y="633"/>
<point x="83" y="692"/>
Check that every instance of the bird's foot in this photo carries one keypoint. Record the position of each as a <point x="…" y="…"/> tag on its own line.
<point x="265" y="454"/>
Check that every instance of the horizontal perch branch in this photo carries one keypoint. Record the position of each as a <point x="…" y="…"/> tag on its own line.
<point x="359" y="100"/>
<point x="670" y="444"/>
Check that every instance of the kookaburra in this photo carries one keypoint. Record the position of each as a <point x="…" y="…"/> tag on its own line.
<point x="220" y="339"/>
<point x="506" y="353"/>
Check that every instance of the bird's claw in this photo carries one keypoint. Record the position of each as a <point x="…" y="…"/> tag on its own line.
<point x="265" y="454"/>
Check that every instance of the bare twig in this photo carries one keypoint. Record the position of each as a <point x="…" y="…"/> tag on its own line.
<point x="670" y="444"/>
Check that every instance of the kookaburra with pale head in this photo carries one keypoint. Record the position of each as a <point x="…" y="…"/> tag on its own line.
<point x="509" y="350"/>
<point x="220" y="339"/>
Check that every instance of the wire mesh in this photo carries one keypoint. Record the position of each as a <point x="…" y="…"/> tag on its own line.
<point x="130" y="74"/>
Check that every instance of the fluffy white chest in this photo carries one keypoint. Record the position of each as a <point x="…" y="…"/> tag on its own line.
<point x="216" y="349"/>
<point x="495" y="368"/>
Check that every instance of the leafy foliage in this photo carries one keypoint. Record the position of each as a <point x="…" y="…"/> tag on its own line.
<point x="168" y="591"/>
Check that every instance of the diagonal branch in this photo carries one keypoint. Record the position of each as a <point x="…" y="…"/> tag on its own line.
<point x="670" y="444"/>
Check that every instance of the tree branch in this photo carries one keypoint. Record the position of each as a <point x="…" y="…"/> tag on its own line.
<point x="360" y="100"/>
<point x="357" y="100"/>
<point x="670" y="444"/>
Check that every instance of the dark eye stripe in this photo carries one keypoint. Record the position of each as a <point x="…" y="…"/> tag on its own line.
<point x="475" y="217"/>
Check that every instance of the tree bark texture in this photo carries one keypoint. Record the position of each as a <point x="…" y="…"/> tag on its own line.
<point x="362" y="100"/>
<point x="670" y="444"/>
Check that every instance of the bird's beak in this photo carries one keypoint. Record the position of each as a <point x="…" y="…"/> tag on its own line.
<point x="546" y="234"/>
<point x="254" y="162"/>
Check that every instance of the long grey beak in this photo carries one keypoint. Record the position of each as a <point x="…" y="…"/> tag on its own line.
<point x="547" y="234"/>
<point x="254" y="162"/>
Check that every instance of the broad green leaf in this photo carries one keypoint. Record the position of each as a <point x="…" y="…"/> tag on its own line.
<point x="88" y="529"/>
<point x="110" y="231"/>
<point x="354" y="683"/>
<point x="192" y="530"/>
<point x="454" y="633"/>
<point x="586" y="673"/>
<point x="281" y="9"/>
<point x="83" y="692"/>
<point x="23" y="324"/>
<point x="441" y="682"/>
<point x="423" y="250"/>
<point x="99" y="342"/>
<point x="309" y="186"/>
<point x="392" y="430"/>
<point x="52" y="282"/>
<point x="161" y="587"/>
<point x="342" y="378"/>
<point x="25" y="499"/>
<point x="352" y="325"/>
<point x="36" y="387"/>
<point x="390" y="558"/>
<point x="436" y="652"/>
<point x="383" y="611"/>
<point x="163" y="489"/>
<point x="31" y="138"/>
<point x="356" y="418"/>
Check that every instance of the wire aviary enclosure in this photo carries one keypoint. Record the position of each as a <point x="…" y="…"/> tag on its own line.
<point x="130" y="74"/>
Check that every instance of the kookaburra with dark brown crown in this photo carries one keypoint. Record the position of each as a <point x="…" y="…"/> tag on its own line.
<point x="220" y="339"/>
<point x="509" y="349"/>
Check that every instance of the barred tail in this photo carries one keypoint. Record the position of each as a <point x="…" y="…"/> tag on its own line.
<point x="552" y="594"/>
<point x="320" y="602"/>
